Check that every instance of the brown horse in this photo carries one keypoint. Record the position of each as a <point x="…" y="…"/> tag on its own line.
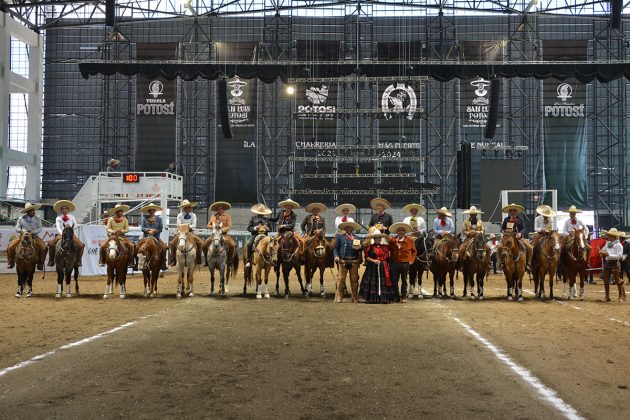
<point x="150" y="261"/>
<point x="545" y="262"/>
<point x="475" y="261"/>
<point x="117" y="259"/>
<point x="316" y="253"/>
<point x="26" y="258"/>
<point x="265" y="258"/>
<point x="290" y="258"/>
<point x="444" y="261"/>
<point x="514" y="259"/>
<point x="574" y="261"/>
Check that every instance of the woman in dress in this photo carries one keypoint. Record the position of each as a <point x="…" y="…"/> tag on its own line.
<point x="376" y="285"/>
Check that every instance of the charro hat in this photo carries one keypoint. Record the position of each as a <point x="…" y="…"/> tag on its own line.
<point x="61" y="203"/>
<point x="119" y="206"/>
<point x="224" y="204"/>
<point x="186" y="203"/>
<point x="288" y="203"/>
<point x="614" y="232"/>
<point x="493" y="236"/>
<point x="351" y="208"/>
<point x="376" y="201"/>
<point x="512" y="206"/>
<point x="545" y="210"/>
<point x="113" y="162"/>
<point x="445" y="212"/>
<point x="29" y="207"/>
<point x="411" y="206"/>
<point x="574" y="209"/>
<point x="146" y="209"/>
<point x="261" y="209"/>
<point x="313" y="206"/>
<point x="355" y="226"/>
<point x="376" y="234"/>
<point x="394" y="228"/>
<point x="473" y="210"/>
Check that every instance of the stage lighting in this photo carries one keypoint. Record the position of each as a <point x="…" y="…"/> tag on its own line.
<point x="290" y="90"/>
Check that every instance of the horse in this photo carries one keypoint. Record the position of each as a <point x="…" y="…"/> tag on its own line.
<point x="65" y="261"/>
<point x="545" y="261"/>
<point x="443" y="262"/>
<point x="221" y="256"/>
<point x="422" y="263"/>
<point x="317" y="252"/>
<point x="26" y="258"/>
<point x="574" y="261"/>
<point x="117" y="259"/>
<point x="186" y="256"/>
<point x="264" y="259"/>
<point x="289" y="259"/>
<point x="514" y="259"/>
<point x="150" y="261"/>
<point x="475" y="261"/>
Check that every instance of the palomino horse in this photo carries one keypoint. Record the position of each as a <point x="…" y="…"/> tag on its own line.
<point x="26" y="258"/>
<point x="221" y="256"/>
<point x="289" y="259"/>
<point x="422" y="263"/>
<point x="150" y="261"/>
<point x="317" y="251"/>
<point x="475" y="261"/>
<point x="265" y="258"/>
<point x="514" y="258"/>
<point x="444" y="261"/>
<point x="186" y="256"/>
<point x="65" y="260"/>
<point x="574" y="261"/>
<point x="545" y="261"/>
<point x="117" y="259"/>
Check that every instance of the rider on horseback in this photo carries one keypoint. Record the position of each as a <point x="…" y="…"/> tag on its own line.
<point x="470" y="228"/>
<point x="514" y="224"/>
<point x="543" y="225"/>
<point x="64" y="220"/>
<point x="29" y="222"/>
<point x="573" y="223"/>
<point x="417" y="223"/>
<point x="313" y="221"/>
<point x="152" y="226"/>
<point x="286" y="221"/>
<point x="118" y="226"/>
<point x="258" y="227"/>
<point x="222" y="219"/>
<point x="186" y="217"/>
<point x="443" y="224"/>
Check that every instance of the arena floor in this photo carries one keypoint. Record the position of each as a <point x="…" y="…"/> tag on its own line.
<point x="209" y="357"/>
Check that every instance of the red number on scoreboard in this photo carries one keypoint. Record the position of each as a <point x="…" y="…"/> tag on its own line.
<point x="131" y="178"/>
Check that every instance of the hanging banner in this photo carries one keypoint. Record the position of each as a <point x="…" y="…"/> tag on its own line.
<point x="316" y="116"/>
<point x="156" y="124"/>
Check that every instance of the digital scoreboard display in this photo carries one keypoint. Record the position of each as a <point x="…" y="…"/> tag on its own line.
<point x="131" y="177"/>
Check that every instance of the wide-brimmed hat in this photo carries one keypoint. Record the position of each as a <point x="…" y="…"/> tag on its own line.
<point x="355" y="226"/>
<point x="28" y="207"/>
<point x="351" y="208"/>
<point x="614" y="232"/>
<point x="419" y="207"/>
<point x="444" y="211"/>
<point x="376" y="201"/>
<point x="61" y="203"/>
<point x="376" y="234"/>
<point x="186" y="203"/>
<point x="394" y="228"/>
<point x="113" y="162"/>
<point x="224" y="204"/>
<point x="473" y="210"/>
<point x="119" y="206"/>
<point x="288" y="203"/>
<point x="313" y="206"/>
<point x="545" y="210"/>
<point x="261" y="209"/>
<point x="512" y="206"/>
<point x="574" y="209"/>
<point x="492" y="236"/>
<point x="146" y="209"/>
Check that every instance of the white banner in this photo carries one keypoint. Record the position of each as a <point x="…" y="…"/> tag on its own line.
<point x="91" y="236"/>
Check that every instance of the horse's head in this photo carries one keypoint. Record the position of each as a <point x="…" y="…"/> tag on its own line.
<point x="555" y="240"/>
<point x="113" y="251"/>
<point x="272" y="250"/>
<point x="67" y="236"/>
<point x="26" y="239"/>
<point x="182" y="240"/>
<point x="319" y="242"/>
<point x="217" y="237"/>
<point x="479" y="246"/>
<point x="577" y="237"/>
<point x="288" y="246"/>
<point x="453" y="243"/>
<point x="508" y="245"/>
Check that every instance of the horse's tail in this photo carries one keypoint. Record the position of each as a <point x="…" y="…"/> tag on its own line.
<point x="235" y="262"/>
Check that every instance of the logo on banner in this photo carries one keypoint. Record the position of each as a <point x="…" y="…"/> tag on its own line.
<point x="564" y="91"/>
<point x="236" y="91"/>
<point x="480" y="84"/>
<point x="238" y="109"/>
<point x="477" y="110"/>
<point x="317" y="97"/>
<point x="156" y="88"/>
<point x="156" y="105"/>
<point x="398" y="99"/>
<point x="564" y="108"/>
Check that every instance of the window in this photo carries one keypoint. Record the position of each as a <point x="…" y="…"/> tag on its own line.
<point x="16" y="183"/>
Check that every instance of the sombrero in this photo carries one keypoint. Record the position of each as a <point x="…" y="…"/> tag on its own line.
<point x="376" y="234"/>
<point x="419" y="207"/>
<point x="376" y="201"/>
<point x="313" y="206"/>
<point x="512" y="206"/>
<point x="614" y="232"/>
<point x="288" y="203"/>
<point x="444" y="211"/>
<point x="224" y="204"/>
<point x="351" y="208"/>
<point x="187" y="203"/>
<point x="61" y="203"/>
<point x="394" y="228"/>
<point x="119" y="206"/>
<point x="353" y="225"/>
<point x="261" y="209"/>
<point x="492" y="236"/>
<point x="574" y="209"/>
<point x="473" y="210"/>
<point x="146" y="209"/>
<point x="28" y="207"/>
<point x="113" y="162"/>
<point x="545" y="210"/>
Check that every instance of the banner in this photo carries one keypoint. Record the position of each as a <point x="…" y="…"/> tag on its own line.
<point x="92" y="236"/>
<point x="156" y="112"/>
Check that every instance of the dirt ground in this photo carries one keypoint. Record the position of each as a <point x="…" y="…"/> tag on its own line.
<point x="235" y="357"/>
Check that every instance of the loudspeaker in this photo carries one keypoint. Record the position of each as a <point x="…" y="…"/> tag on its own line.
<point x="615" y="13"/>
<point x="110" y="12"/>
<point x="493" y="114"/>
<point x="223" y="108"/>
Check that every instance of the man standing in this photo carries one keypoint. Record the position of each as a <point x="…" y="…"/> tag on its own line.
<point x="64" y="220"/>
<point x="29" y="222"/>
<point x="347" y="255"/>
<point x="612" y="253"/>
<point x="417" y="223"/>
<point x="493" y="245"/>
<point x="402" y="255"/>
<point x="379" y="217"/>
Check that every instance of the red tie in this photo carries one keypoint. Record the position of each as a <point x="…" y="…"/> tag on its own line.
<point x="350" y="237"/>
<point x="443" y="222"/>
<point x="65" y="218"/>
<point x="513" y="220"/>
<point x="573" y="222"/>
<point x="344" y="219"/>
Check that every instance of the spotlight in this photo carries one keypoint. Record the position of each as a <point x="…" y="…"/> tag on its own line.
<point x="290" y="90"/>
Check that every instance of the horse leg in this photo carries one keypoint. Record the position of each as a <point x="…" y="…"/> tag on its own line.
<point x="222" y="280"/>
<point x="322" y="270"/>
<point x="480" y="282"/>
<point x="75" y="270"/>
<point x="68" y="280"/>
<point x="299" y="276"/>
<point x="285" y="275"/>
<point x="122" y="282"/>
<point x="190" y="277"/>
<point x="266" y="286"/>
<point x="277" y="269"/>
<point x="510" y="285"/>
<point x="60" y="275"/>
<point x="211" y="268"/>
<point x="109" y="281"/>
<point x="465" y="276"/>
<point x="582" y="275"/>
<point x="451" y="278"/>
<point x="552" y="274"/>
<point x="29" y="280"/>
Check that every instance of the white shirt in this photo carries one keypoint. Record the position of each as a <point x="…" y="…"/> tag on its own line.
<point x="338" y="221"/>
<point x="422" y="225"/>
<point x="539" y="223"/>
<point x="493" y="247"/>
<point x="72" y="221"/>
<point x="614" y="250"/>
<point x="568" y="226"/>
<point x="192" y="222"/>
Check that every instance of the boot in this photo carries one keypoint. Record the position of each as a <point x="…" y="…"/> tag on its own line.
<point x="51" y="255"/>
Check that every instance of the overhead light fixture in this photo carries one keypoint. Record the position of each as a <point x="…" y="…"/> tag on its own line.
<point x="290" y="90"/>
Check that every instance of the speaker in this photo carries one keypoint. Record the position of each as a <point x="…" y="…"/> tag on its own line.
<point x="493" y="114"/>
<point x="223" y="108"/>
<point x="110" y="12"/>
<point x="615" y="13"/>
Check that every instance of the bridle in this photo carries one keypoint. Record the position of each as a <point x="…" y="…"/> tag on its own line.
<point x="514" y="245"/>
<point x="579" y="247"/>
<point x="66" y="243"/>
<point x="26" y="251"/>
<point x="271" y="255"/>
<point x="286" y="251"/>
<point x="112" y="245"/>
<point x="427" y="253"/>
<point x="182" y="241"/>
<point x="216" y="247"/>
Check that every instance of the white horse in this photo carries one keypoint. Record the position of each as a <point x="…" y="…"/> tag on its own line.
<point x="186" y="257"/>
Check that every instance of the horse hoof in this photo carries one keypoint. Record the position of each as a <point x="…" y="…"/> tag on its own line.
<point x="179" y="296"/>
<point x="481" y="297"/>
<point x="472" y="297"/>
<point x="510" y="298"/>
<point x="564" y="296"/>
<point x="123" y="296"/>
<point x="57" y="295"/>
<point x="145" y="294"/>
<point x="322" y="295"/>
<point x="267" y="296"/>
<point x="520" y="298"/>
<point x="68" y="295"/>
<point x="286" y="296"/>
<point x="191" y="294"/>
<point x="258" y="296"/>
<point x="105" y="296"/>
<point x="18" y="295"/>
<point x="29" y="294"/>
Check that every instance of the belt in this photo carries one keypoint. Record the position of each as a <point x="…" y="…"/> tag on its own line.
<point x="350" y="261"/>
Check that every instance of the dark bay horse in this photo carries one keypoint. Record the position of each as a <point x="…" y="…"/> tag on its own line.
<point x="150" y="261"/>
<point x="422" y="263"/>
<point x="545" y="262"/>
<point x="317" y="252"/>
<point x="443" y="263"/>
<point x="26" y="258"/>
<point x="574" y="261"/>
<point x="289" y="259"/>
<point x="65" y="260"/>
<point x="514" y="258"/>
<point x="475" y="261"/>
<point x="117" y="259"/>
